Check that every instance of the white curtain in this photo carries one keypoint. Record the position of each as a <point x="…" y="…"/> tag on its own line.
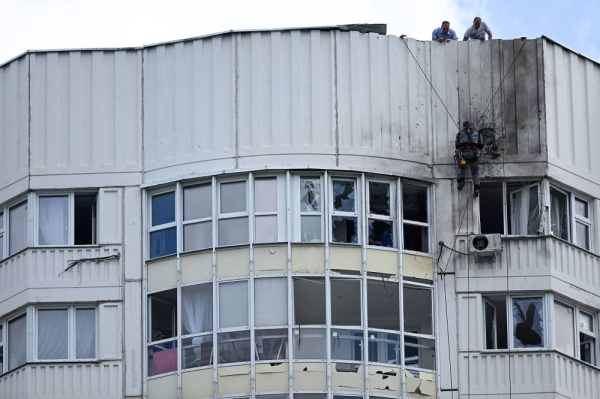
<point x="17" y="333"/>
<point x="53" y="334"/>
<point x="197" y="308"/>
<point x="85" y="333"/>
<point x="53" y="220"/>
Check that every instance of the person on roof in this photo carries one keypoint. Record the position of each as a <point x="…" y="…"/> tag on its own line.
<point x="478" y="30"/>
<point x="468" y="143"/>
<point x="443" y="33"/>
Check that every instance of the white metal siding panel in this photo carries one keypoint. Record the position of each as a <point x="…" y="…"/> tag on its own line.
<point x="13" y="278"/>
<point x="574" y="379"/>
<point x="573" y="101"/>
<point x="109" y="337"/>
<point x="110" y="215"/>
<point x="14" y="122"/>
<point x="85" y="112"/>
<point x="189" y="103"/>
<point x="15" y="384"/>
<point x="94" y="381"/>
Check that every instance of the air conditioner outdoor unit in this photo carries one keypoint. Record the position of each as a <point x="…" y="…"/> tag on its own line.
<point x="485" y="245"/>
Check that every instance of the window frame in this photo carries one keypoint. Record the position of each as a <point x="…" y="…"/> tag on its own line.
<point x="72" y="332"/>
<point x="160" y="227"/>
<point x="296" y="201"/>
<point x="578" y="329"/>
<point x="572" y="217"/>
<point x="208" y="333"/>
<point x="7" y="236"/>
<point x="2" y="235"/>
<point x="5" y="341"/>
<point x="184" y="222"/>
<point x="392" y="216"/>
<point x="404" y="221"/>
<point x="279" y="213"/>
<point x="246" y="178"/>
<point x="221" y="331"/>
<point x="343" y="214"/>
<point x="70" y="219"/>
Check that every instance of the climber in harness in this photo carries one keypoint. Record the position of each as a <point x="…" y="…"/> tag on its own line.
<point x="468" y="143"/>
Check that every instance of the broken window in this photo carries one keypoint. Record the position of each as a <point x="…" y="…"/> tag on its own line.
<point x="270" y="302"/>
<point x="163" y="230"/>
<point x="233" y="304"/>
<point x="419" y="352"/>
<point x="197" y="309"/>
<point x="418" y="309"/>
<point x="564" y="334"/>
<point x="522" y="202"/>
<point x="346" y="302"/>
<point x="528" y="322"/>
<point x="383" y="304"/>
<point x="495" y="322"/>
<point x="310" y="343"/>
<point x="344" y="219"/>
<point x="384" y="348"/>
<point x="310" y="209"/>
<point x="309" y="301"/>
<point x="17" y="228"/>
<point x="347" y="344"/>
<point x="197" y="217"/>
<point x="17" y="341"/>
<point x="415" y="218"/>
<point x="162" y="313"/>
<point x="271" y="344"/>
<point x="265" y="210"/>
<point x="233" y="213"/>
<point x="587" y="338"/>
<point x="234" y="347"/>
<point x="381" y="225"/>
<point x="197" y="351"/>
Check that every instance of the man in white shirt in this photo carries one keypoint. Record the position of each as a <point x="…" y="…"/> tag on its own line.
<point x="478" y="30"/>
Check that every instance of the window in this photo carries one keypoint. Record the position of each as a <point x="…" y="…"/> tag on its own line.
<point x="528" y="322"/>
<point x="571" y="218"/>
<point x="270" y="302"/>
<point x="419" y="339"/>
<point x="415" y="218"/>
<point x="197" y="217"/>
<point x="310" y="209"/>
<point x="495" y="322"/>
<point x="1" y="237"/>
<point x="197" y="325"/>
<point x="310" y="343"/>
<point x="1" y="349"/>
<point x="309" y="301"/>
<point x="346" y="302"/>
<point x="587" y="338"/>
<point x="233" y="305"/>
<point x="67" y="219"/>
<point x="163" y="232"/>
<point x="344" y="215"/>
<point x="384" y="348"/>
<point x="522" y="200"/>
<point x="347" y="345"/>
<point x="233" y="213"/>
<point x="66" y="333"/>
<point x="564" y="334"/>
<point x="265" y="210"/>
<point x="162" y="314"/>
<point x="17" y="338"/>
<point x="383" y="305"/>
<point x="17" y="228"/>
<point x="271" y="345"/>
<point x="574" y="333"/>
<point x="381" y="216"/>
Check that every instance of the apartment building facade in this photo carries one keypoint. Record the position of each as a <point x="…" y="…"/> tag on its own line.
<point x="274" y="214"/>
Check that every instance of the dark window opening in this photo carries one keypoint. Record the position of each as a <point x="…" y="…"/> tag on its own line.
<point x="495" y="322"/>
<point x="85" y="219"/>
<point x="163" y="315"/>
<point x="416" y="238"/>
<point x="345" y="302"/>
<point x="414" y="203"/>
<point x="344" y="229"/>
<point x="383" y="305"/>
<point x="491" y="208"/>
<point x="309" y="301"/>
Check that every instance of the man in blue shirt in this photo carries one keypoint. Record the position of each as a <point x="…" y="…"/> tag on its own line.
<point x="468" y="143"/>
<point x="443" y="33"/>
<point x="478" y="30"/>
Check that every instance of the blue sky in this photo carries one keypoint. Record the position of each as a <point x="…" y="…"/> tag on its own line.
<point x="52" y="24"/>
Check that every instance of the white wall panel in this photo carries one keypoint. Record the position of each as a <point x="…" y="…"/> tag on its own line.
<point x="574" y="379"/>
<point x="85" y="112"/>
<point x="573" y="100"/>
<point x="15" y="384"/>
<point x="109" y="345"/>
<point x="110" y="216"/>
<point x="14" y="122"/>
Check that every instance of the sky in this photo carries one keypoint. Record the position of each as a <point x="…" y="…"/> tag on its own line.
<point x="62" y="24"/>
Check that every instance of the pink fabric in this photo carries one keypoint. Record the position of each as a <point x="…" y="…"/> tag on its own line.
<point x="165" y="361"/>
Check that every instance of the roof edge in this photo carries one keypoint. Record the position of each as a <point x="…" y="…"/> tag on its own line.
<point x="570" y="49"/>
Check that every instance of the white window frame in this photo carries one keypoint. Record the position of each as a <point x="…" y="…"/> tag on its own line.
<point x="71" y="217"/>
<point x="247" y="328"/>
<point x="164" y="226"/>
<point x="573" y="217"/>
<point x="72" y="331"/>
<point x="2" y="235"/>
<point x="196" y="221"/>
<point x="525" y="201"/>
<point x="223" y="216"/>
<point x="357" y="206"/>
<point x="404" y="221"/>
<point x="412" y="334"/>
<point x="5" y="251"/>
<point x="297" y="205"/>
<point x="3" y="333"/>
<point x="209" y="333"/>
<point x="5" y="342"/>
<point x="279" y="213"/>
<point x="578" y="329"/>
<point x="391" y="218"/>
<point x="495" y="326"/>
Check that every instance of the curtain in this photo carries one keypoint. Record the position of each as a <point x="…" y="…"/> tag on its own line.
<point x="17" y="333"/>
<point x="54" y="220"/>
<point x="18" y="228"/>
<point x="53" y="334"/>
<point x="559" y="214"/>
<point x="85" y="334"/>
<point x="196" y="311"/>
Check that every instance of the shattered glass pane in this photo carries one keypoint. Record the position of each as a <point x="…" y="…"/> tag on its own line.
<point x="416" y="238"/>
<point x="310" y="343"/>
<point x="344" y="229"/>
<point x="528" y="321"/>
<point x="418" y="309"/>
<point x="419" y="352"/>
<point x="381" y="233"/>
<point x="379" y="198"/>
<point x="310" y="194"/>
<point x="414" y="203"/>
<point x="384" y="347"/>
<point x="343" y="196"/>
<point x="271" y="344"/>
<point x="346" y="344"/>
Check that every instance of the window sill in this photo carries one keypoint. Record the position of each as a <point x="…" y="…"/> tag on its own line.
<point x="162" y="375"/>
<point x="409" y="252"/>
